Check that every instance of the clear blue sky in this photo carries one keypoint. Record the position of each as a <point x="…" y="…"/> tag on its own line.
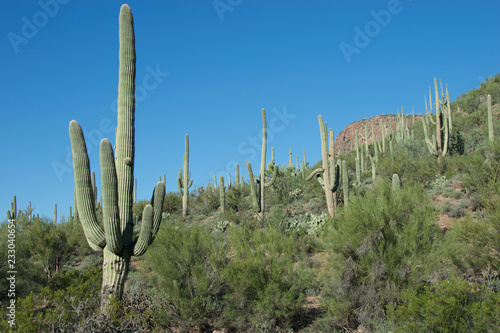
<point x="206" y="68"/>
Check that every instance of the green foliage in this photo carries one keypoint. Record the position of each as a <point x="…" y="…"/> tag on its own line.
<point x="207" y="201"/>
<point x="452" y="305"/>
<point x="457" y="143"/>
<point x="30" y="276"/>
<point x="172" y="203"/>
<point x="236" y="199"/>
<point x="187" y="264"/>
<point x="71" y="304"/>
<point x="265" y="285"/>
<point x="75" y="292"/>
<point x="380" y="244"/>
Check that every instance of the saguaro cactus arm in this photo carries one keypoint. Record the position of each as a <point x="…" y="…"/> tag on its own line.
<point x="84" y="191"/>
<point x="151" y="220"/>
<point x="110" y="211"/>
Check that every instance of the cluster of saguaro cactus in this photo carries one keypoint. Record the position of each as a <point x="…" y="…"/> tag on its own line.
<point x="184" y="182"/>
<point x="116" y="240"/>
<point x="438" y="143"/>
<point x="257" y="186"/>
<point x="328" y="175"/>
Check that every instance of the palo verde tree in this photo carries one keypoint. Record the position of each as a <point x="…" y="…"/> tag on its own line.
<point x="117" y="180"/>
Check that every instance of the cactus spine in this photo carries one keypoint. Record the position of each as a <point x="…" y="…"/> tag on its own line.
<point x="257" y="186"/>
<point x="115" y="240"/>
<point x="328" y="175"/>
<point x="184" y="182"/>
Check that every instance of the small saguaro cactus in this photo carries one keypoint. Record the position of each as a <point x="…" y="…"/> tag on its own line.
<point x="328" y="175"/>
<point x="345" y="183"/>
<point x="12" y="212"/>
<point x="257" y="186"/>
<point x="55" y="213"/>
<point x="395" y="183"/>
<point x="115" y="238"/>
<point x="237" y="177"/>
<point x="491" y="135"/>
<point x="184" y="182"/>
<point x="222" y="193"/>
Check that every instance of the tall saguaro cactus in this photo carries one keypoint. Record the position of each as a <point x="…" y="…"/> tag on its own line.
<point x="257" y="186"/>
<point x="328" y="175"/>
<point x="184" y="182"/>
<point x="116" y="240"/>
<point x="438" y="144"/>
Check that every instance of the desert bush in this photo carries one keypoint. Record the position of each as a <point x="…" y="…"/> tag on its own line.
<point x="186" y="265"/>
<point x="59" y="306"/>
<point x="475" y="242"/>
<point x="266" y="285"/>
<point x="172" y="203"/>
<point x="380" y="244"/>
<point x="236" y="198"/>
<point x="452" y="305"/>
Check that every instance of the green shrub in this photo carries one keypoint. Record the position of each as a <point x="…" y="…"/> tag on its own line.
<point x="236" y="200"/>
<point x="186" y="264"/>
<point x="172" y="203"/>
<point x="452" y="305"/>
<point x="266" y="285"/>
<point x="66" y="303"/>
<point x="474" y="243"/>
<point x="379" y="245"/>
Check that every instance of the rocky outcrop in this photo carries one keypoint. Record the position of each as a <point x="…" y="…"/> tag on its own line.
<point x="345" y="139"/>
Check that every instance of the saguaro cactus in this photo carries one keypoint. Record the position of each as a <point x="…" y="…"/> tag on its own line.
<point x="438" y="144"/>
<point x="328" y="175"/>
<point x="12" y="212"/>
<point x="222" y="194"/>
<point x="257" y="186"/>
<point x="184" y="182"/>
<point x="491" y="135"/>
<point x="115" y="240"/>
